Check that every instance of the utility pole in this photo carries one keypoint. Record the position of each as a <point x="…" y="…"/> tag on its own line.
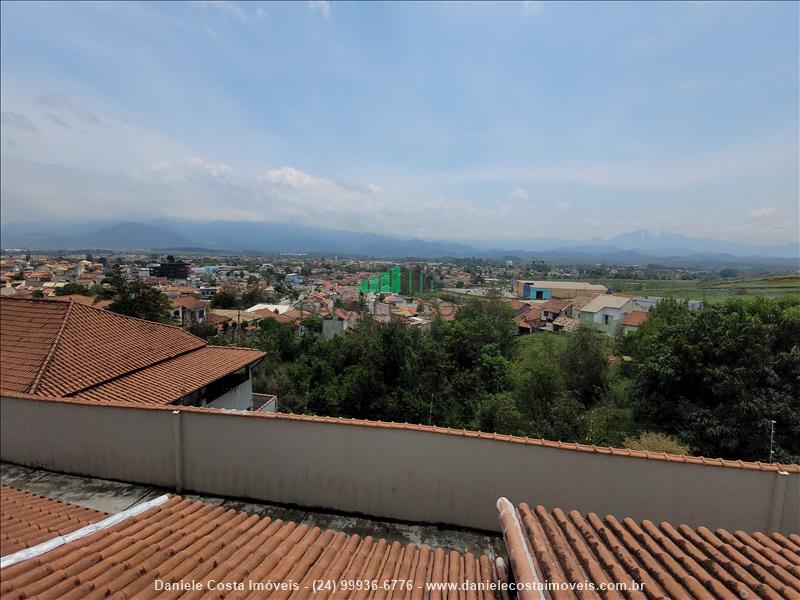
<point x="771" y="439"/>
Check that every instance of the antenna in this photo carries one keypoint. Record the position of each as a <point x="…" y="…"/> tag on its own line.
<point x="771" y="439"/>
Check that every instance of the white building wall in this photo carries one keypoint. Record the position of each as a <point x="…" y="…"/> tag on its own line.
<point x="239" y="398"/>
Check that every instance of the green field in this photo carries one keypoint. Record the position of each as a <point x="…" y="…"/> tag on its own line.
<point x="710" y="291"/>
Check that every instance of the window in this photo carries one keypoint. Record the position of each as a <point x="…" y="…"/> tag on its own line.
<point x="607" y="319"/>
<point x="540" y="295"/>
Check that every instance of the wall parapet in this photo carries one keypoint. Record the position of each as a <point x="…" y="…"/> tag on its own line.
<point x="397" y="471"/>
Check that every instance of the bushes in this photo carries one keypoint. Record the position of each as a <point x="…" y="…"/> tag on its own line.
<point x="655" y="442"/>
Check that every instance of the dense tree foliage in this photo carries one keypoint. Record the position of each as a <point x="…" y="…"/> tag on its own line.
<point x="72" y="288"/>
<point x="203" y="330"/>
<point x="226" y="298"/>
<point x="472" y="372"/>
<point x="716" y="378"/>
<point x="708" y="381"/>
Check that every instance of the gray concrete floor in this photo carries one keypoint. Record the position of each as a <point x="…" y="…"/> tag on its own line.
<point x="114" y="496"/>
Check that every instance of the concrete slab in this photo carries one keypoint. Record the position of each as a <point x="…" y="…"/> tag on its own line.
<point x="114" y="496"/>
<point x="100" y="494"/>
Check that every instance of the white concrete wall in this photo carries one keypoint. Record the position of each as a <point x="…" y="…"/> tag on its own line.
<point x="239" y="398"/>
<point x="404" y="474"/>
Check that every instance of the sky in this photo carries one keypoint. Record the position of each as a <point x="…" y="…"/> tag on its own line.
<point x="455" y="120"/>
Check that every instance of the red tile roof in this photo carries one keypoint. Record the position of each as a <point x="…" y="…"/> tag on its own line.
<point x="187" y="302"/>
<point x="635" y="318"/>
<point x="560" y="549"/>
<point x="555" y="305"/>
<point x="169" y="381"/>
<point x="28" y="519"/>
<point x="183" y="540"/>
<point x="266" y="313"/>
<point x="58" y="349"/>
<point x="79" y="298"/>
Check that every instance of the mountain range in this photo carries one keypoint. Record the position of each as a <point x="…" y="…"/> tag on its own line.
<point x="244" y="236"/>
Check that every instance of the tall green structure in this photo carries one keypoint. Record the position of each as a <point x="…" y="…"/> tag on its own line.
<point x="398" y="280"/>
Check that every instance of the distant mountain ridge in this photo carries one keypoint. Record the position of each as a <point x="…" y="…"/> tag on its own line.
<point x="235" y="236"/>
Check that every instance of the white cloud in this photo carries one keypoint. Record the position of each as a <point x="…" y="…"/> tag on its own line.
<point x="563" y="206"/>
<point x="214" y="169"/>
<point x="519" y="194"/>
<point x="291" y="177"/>
<point x="323" y="7"/>
<point x="532" y="7"/>
<point x="762" y="213"/>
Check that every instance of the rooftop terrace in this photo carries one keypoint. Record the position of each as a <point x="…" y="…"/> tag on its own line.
<point x="113" y="497"/>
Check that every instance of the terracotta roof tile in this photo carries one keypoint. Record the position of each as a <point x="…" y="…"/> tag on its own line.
<point x="59" y="349"/>
<point x="555" y="305"/>
<point x="635" y="318"/>
<point x="188" y="302"/>
<point x="170" y="380"/>
<point x="672" y="562"/>
<point x="28" y="519"/>
<point x="182" y="540"/>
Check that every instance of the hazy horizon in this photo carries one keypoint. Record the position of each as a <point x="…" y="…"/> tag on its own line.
<point x="447" y="121"/>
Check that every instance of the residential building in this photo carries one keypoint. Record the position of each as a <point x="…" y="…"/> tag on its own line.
<point x="338" y="322"/>
<point x="553" y="309"/>
<point x="633" y="320"/>
<point x="71" y="350"/>
<point x="606" y="312"/>
<point x="188" y="310"/>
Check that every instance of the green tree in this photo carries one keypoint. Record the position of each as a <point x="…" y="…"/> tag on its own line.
<point x="202" y="330"/>
<point x="717" y="377"/>
<point x="226" y="298"/>
<point x="585" y="366"/>
<point x="312" y="324"/>
<point x="72" y="288"/>
<point x="137" y="299"/>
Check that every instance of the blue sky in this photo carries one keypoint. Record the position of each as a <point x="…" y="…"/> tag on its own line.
<point x="469" y="121"/>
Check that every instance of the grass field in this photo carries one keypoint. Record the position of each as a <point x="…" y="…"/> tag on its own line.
<point x="712" y="291"/>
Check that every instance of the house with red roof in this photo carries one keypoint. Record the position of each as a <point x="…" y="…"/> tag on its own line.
<point x="73" y="350"/>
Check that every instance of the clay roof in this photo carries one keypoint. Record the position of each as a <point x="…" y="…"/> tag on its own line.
<point x="184" y="540"/>
<point x="187" y="302"/>
<point x="59" y="349"/>
<point x="635" y="318"/>
<point x="555" y="305"/>
<point x="171" y="380"/>
<point x="79" y="298"/>
<point x="237" y="316"/>
<point x="268" y="314"/>
<point x="566" y="323"/>
<point x="28" y="519"/>
<point x="215" y="319"/>
<point x="671" y="561"/>
<point x="295" y="314"/>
